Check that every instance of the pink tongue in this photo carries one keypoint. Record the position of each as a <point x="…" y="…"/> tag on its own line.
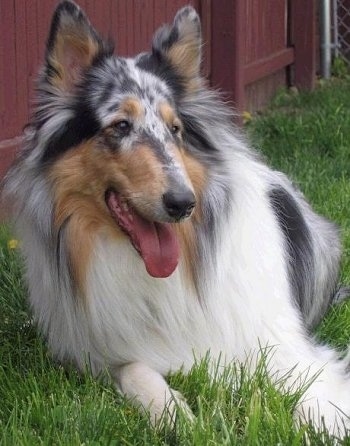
<point x="156" y="242"/>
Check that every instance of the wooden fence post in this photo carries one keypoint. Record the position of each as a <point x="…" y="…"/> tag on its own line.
<point x="303" y="38"/>
<point x="227" y="50"/>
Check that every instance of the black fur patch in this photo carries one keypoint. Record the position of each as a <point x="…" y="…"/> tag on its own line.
<point x="195" y="135"/>
<point x="299" y="243"/>
<point x="81" y="127"/>
<point x="169" y="38"/>
<point x="156" y="64"/>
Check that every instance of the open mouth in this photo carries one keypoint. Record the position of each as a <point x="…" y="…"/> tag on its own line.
<point x="156" y="242"/>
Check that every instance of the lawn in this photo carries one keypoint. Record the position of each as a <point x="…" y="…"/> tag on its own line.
<point x="308" y="137"/>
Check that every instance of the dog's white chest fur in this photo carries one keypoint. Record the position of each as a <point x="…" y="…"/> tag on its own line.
<point x="166" y="323"/>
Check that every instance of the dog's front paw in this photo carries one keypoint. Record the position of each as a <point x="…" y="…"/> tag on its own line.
<point x="148" y="390"/>
<point x="175" y="406"/>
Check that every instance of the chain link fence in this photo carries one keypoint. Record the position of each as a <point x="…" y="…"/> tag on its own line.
<point x="341" y="29"/>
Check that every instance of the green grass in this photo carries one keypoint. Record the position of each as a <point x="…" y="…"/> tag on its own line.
<point x="308" y="137"/>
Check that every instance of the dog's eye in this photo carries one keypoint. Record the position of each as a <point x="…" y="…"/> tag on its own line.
<point x="175" y="129"/>
<point x="123" y="127"/>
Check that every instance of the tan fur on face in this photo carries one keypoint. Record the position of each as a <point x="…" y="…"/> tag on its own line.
<point x="168" y="115"/>
<point x="74" y="184"/>
<point x="196" y="172"/>
<point x="80" y="179"/>
<point x="130" y="109"/>
<point x="186" y="231"/>
<point x="143" y="179"/>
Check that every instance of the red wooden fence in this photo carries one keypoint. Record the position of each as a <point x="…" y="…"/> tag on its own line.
<point x="251" y="47"/>
<point x="261" y="45"/>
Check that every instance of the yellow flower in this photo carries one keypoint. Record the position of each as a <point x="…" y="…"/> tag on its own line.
<point x="247" y="117"/>
<point x="12" y="244"/>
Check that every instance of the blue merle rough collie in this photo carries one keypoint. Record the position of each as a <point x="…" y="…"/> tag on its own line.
<point x="153" y="234"/>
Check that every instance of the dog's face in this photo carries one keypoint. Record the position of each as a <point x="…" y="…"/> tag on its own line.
<point x="116" y="154"/>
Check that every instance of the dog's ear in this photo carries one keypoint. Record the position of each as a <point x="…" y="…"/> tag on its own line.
<point x="72" y="46"/>
<point x="180" y="45"/>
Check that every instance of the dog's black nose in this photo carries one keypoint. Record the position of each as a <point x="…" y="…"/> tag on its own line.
<point x="179" y="204"/>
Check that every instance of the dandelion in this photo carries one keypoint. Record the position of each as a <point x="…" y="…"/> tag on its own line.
<point x="12" y="244"/>
<point x="247" y="117"/>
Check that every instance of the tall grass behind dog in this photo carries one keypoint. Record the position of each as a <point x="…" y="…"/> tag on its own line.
<point x="152" y="233"/>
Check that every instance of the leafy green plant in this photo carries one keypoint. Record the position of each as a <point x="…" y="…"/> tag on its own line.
<point x="340" y="67"/>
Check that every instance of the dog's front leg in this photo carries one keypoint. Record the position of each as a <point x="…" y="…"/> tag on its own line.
<point x="148" y="390"/>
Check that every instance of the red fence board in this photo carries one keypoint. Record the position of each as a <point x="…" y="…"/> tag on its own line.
<point x="266" y="65"/>
<point x="303" y="37"/>
<point x="266" y="28"/>
<point x="228" y="42"/>
<point x="21" y="63"/>
<point x="8" y="111"/>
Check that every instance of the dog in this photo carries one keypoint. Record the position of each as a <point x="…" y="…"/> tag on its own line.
<point x="153" y="234"/>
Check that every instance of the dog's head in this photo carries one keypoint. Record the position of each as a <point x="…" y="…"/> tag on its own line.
<point x="112" y="141"/>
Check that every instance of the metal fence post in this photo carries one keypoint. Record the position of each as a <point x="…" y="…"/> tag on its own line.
<point x="325" y="35"/>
